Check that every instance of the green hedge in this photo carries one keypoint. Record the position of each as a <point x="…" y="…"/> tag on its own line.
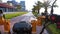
<point x="54" y="29"/>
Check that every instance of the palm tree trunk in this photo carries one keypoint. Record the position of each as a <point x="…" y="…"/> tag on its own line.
<point x="51" y="10"/>
<point x="45" y="10"/>
<point x="52" y="7"/>
<point x="38" y="11"/>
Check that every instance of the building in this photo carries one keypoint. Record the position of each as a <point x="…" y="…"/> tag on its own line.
<point x="6" y="8"/>
<point x="14" y="3"/>
<point x="22" y="3"/>
<point x="13" y="0"/>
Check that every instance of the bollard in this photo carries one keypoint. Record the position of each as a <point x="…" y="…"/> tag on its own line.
<point x="39" y="21"/>
<point x="33" y="22"/>
<point x="7" y="26"/>
<point x="38" y="25"/>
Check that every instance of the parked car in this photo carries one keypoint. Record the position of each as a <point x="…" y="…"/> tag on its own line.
<point x="22" y="28"/>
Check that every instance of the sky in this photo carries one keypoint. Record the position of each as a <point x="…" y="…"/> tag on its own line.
<point x="29" y="5"/>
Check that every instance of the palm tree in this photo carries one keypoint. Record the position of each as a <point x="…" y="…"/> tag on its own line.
<point x="18" y="7"/>
<point x="34" y="10"/>
<point x="47" y="4"/>
<point x="46" y="20"/>
<point x="37" y="7"/>
<point x="53" y="6"/>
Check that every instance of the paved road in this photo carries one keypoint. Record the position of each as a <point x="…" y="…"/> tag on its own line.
<point x="26" y="17"/>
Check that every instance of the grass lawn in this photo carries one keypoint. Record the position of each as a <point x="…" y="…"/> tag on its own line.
<point x="9" y="16"/>
<point x="54" y="29"/>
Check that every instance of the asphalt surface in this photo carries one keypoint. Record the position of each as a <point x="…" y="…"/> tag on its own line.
<point x="26" y="17"/>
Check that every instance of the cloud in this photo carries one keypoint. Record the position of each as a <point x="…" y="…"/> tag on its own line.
<point x="4" y="1"/>
<point x="29" y="4"/>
